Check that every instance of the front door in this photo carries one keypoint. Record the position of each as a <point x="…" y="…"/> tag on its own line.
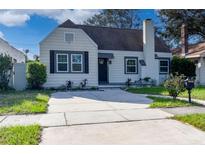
<point x="102" y="71"/>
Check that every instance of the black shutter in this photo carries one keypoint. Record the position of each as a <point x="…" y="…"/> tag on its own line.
<point x="51" y="61"/>
<point x="86" y="62"/>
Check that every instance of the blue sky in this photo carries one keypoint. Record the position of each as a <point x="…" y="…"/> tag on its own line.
<point x="24" y="29"/>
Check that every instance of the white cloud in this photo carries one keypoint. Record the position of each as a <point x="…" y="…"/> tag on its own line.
<point x="1" y="35"/>
<point x="13" y="18"/>
<point x="20" y="17"/>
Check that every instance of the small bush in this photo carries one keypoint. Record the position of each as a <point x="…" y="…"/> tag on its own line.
<point x="36" y="75"/>
<point x="93" y="88"/>
<point x="175" y="85"/>
<point x="183" y="66"/>
<point x="128" y="82"/>
<point x="147" y="79"/>
<point x="83" y="83"/>
<point x="6" y="66"/>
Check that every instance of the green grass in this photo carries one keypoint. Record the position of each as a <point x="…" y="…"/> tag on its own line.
<point x="149" y="90"/>
<point x="29" y="101"/>
<point x="197" y="93"/>
<point x="167" y="103"/>
<point x="20" y="135"/>
<point x="197" y="120"/>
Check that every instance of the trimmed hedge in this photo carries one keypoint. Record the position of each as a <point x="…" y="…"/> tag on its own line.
<point x="183" y="66"/>
<point x="6" y="66"/>
<point x="36" y="75"/>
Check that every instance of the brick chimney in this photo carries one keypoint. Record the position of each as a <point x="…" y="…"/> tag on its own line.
<point x="184" y="39"/>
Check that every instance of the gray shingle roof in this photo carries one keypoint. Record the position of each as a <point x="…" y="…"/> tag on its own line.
<point x="115" y="38"/>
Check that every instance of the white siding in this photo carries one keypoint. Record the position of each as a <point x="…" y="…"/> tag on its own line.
<point x="163" y="77"/>
<point x="200" y="71"/>
<point x="116" y="68"/>
<point x="55" y="41"/>
<point x="6" y="48"/>
<point x="82" y="42"/>
<point x="164" y="54"/>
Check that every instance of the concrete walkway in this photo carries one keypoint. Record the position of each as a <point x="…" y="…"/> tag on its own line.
<point x="200" y="102"/>
<point x="140" y="132"/>
<point x="89" y="107"/>
<point x="106" y="117"/>
<point x="184" y="110"/>
<point x="115" y="117"/>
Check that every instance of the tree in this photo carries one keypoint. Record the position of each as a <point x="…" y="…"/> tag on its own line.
<point x="6" y="66"/>
<point x="172" y="21"/>
<point x="117" y="18"/>
<point x="183" y="66"/>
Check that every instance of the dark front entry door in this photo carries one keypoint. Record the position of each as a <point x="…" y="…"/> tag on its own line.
<point x="102" y="71"/>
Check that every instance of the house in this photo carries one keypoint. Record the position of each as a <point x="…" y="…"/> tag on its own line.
<point x="16" y="55"/>
<point x="103" y="55"/>
<point x="194" y="52"/>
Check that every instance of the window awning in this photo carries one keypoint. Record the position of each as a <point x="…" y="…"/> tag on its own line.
<point x="106" y="55"/>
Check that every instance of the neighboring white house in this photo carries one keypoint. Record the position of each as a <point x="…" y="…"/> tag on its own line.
<point x="103" y="55"/>
<point x="196" y="53"/>
<point x="16" y="55"/>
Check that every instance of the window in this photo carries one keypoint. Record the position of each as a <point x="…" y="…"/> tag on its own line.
<point x="69" y="37"/>
<point x="131" y="65"/>
<point x="62" y="62"/>
<point x="76" y="62"/>
<point x="164" y="66"/>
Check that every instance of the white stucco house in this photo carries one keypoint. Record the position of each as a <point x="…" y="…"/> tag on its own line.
<point x="16" y="55"/>
<point x="103" y="55"/>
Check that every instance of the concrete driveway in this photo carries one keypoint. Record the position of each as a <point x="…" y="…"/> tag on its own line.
<point x="88" y="107"/>
<point x="114" y="116"/>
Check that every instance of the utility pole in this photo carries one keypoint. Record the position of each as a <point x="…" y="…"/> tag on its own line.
<point x="26" y="52"/>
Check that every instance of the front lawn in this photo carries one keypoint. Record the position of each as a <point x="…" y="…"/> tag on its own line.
<point x="20" y="135"/>
<point x="148" y="90"/>
<point x="167" y="102"/>
<point x="197" y="120"/>
<point x="197" y="93"/>
<point x="29" y="101"/>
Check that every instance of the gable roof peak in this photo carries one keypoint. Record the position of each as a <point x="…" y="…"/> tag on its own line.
<point x="67" y="23"/>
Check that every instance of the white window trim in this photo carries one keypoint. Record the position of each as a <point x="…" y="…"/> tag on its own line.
<point x="164" y="66"/>
<point x="69" y="33"/>
<point x="61" y="62"/>
<point x="76" y="63"/>
<point x="131" y="65"/>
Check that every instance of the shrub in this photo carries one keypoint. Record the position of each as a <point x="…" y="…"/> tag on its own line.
<point x="175" y="85"/>
<point x="83" y="83"/>
<point x="147" y="79"/>
<point x="183" y="66"/>
<point x="69" y="84"/>
<point x="128" y="82"/>
<point x="36" y="75"/>
<point x="5" y="71"/>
